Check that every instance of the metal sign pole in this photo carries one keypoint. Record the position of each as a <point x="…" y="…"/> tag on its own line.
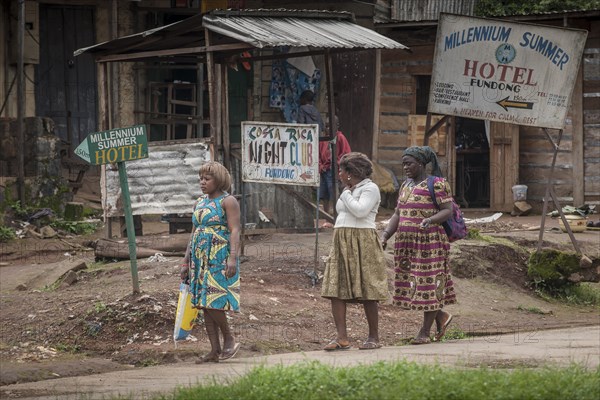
<point x="243" y="227"/>
<point x="129" y="224"/>
<point x="316" y="260"/>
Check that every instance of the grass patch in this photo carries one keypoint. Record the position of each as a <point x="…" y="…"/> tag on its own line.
<point x="475" y="234"/>
<point x="533" y="310"/>
<point x="585" y="294"/>
<point x="75" y="227"/>
<point x="455" y="334"/>
<point x="580" y="294"/>
<point x="404" y="380"/>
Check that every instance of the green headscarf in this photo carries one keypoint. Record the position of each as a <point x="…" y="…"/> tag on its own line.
<point x="425" y="155"/>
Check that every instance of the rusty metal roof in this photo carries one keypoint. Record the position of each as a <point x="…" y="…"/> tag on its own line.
<point x="429" y="10"/>
<point x="258" y="28"/>
<point x="265" y="30"/>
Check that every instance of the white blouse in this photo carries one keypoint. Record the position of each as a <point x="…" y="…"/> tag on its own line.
<point x="358" y="208"/>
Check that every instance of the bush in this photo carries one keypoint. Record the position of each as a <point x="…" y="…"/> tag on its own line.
<point x="6" y="234"/>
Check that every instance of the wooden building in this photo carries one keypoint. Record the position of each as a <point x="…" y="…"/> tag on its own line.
<point x="483" y="172"/>
<point x="380" y="96"/>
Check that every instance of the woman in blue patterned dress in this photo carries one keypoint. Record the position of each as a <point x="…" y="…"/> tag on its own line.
<point x="211" y="260"/>
<point x="422" y="276"/>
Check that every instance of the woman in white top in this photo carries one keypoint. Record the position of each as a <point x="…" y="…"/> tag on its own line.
<point x="356" y="268"/>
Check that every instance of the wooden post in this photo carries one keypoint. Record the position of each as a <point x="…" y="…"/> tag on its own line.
<point x="578" y="141"/>
<point x="377" y="106"/>
<point x="225" y="117"/>
<point x="103" y="123"/>
<point x="21" y="104"/>
<point x="332" y="127"/>
<point x="129" y="223"/>
<point x="199" y="100"/>
<point x="551" y="195"/>
<point x="210" y="67"/>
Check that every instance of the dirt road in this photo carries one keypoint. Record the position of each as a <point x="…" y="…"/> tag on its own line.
<point x="518" y="349"/>
<point x="80" y="331"/>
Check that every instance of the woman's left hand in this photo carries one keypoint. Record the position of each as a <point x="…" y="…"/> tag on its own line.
<point x="425" y="223"/>
<point x="231" y="269"/>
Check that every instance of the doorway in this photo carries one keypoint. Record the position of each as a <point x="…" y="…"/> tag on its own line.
<point x="472" y="163"/>
<point x="66" y="85"/>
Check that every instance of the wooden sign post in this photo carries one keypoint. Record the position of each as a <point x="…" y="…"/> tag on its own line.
<point x="117" y="146"/>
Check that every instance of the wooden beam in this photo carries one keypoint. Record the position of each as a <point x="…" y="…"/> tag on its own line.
<point x="429" y="132"/>
<point x="174" y="52"/>
<point x="578" y="141"/>
<point x="308" y="204"/>
<point x="376" y="106"/>
<point x="210" y="66"/>
<point x="225" y="117"/>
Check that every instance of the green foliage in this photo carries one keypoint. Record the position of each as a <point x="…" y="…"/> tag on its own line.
<point x="100" y="307"/>
<point x="499" y="8"/>
<point x="533" y="310"/>
<point x="68" y="348"/>
<point x="455" y="334"/>
<point x="474" y="234"/>
<point x="550" y="268"/>
<point x="385" y="380"/>
<point x="6" y="234"/>
<point x="20" y="210"/>
<point x="582" y="293"/>
<point x="75" y="227"/>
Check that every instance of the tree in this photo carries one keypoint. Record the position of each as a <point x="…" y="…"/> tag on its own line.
<point x="499" y="8"/>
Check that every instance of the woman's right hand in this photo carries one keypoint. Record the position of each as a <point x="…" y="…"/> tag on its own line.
<point x="384" y="238"/>
<point x="184" y="272"/>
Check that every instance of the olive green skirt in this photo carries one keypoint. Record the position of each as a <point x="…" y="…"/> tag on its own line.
<point x="356" y="268"/>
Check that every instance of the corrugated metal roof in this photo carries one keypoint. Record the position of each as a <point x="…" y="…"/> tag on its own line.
<point x="429" y="10"/>
<point x="185" y="33"/>
<point x="164" y="183"/>
<point x="298" y="32"/>
<point x="260" y="28"/>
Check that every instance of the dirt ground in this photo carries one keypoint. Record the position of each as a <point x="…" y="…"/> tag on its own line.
<point x="96" y="324"/>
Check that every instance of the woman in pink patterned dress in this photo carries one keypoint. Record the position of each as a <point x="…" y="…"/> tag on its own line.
<point x="421" y="251"/>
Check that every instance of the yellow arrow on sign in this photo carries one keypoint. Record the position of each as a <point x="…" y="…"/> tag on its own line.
<point x="505" y="103"/>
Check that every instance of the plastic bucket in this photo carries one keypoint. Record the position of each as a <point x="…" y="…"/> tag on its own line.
<point x="519" y="192"/>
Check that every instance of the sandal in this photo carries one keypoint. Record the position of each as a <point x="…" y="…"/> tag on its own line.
<point x="438" y="336"/>
<point x="423" y="340"/>
<point x="369" y="345"/>
<point x="227" y="354"/>
<point x="335" y="345"/>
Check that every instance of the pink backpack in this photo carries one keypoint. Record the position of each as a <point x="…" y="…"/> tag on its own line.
<point x="455" y="225"/>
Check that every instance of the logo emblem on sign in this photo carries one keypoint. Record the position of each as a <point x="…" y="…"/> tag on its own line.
<point x="505" y="53"/>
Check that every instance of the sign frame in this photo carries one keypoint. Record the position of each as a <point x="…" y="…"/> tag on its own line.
<point x="114" y="145"/>
<point x="280" y="153"/>
<point x="516" y="72"/>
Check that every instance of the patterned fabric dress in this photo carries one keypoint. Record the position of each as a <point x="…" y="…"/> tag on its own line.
<point x="210" y="251"/>
<point x="422" y="275"/>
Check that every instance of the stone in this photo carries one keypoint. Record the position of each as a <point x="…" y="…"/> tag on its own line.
<point x="47" y="232"/>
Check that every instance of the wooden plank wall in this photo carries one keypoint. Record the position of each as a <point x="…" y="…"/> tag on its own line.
<point x="397" y="101"/>
<point x="591" y="116"/>
<point x="583" y="119"/>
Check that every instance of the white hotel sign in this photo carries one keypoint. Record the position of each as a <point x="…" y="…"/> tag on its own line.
<point x="504" y="71"/>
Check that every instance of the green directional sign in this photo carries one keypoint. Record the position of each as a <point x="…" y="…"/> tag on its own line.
<point x="115" y="145"/>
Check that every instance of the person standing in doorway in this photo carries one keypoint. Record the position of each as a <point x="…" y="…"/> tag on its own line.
<point x="308" y="113"/>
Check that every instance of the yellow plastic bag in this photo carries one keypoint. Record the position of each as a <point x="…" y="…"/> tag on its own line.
<point x="186" y="314"/>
